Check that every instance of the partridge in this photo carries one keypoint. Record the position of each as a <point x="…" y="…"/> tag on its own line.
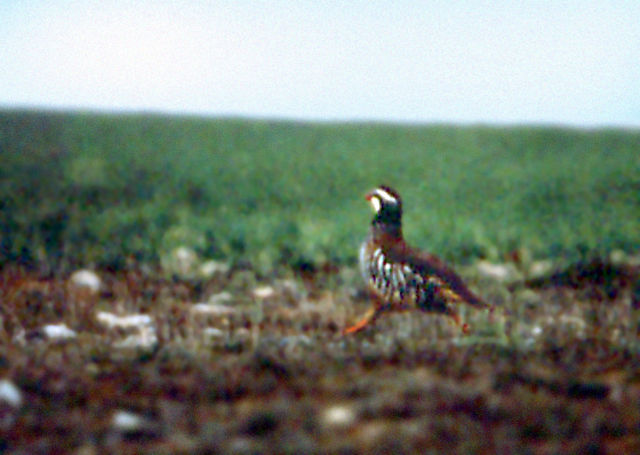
<point x="399" y="277"/>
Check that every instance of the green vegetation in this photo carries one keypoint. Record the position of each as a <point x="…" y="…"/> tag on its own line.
<point x="78" y="188"/>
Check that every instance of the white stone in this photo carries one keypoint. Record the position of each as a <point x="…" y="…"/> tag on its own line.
<point x="338" y="416"/>
<point x="124" y="322"/>
<point x="184" y="254"/>
<point x="263" y="292"/>
<point x="499" y="272"/>
<point x="58" y="331"/>
<point x="10" y="394"/>
<point x="618" y="257"/>
<point x="185" y="259"/>
<point x="210" y="268"/>
<point x="540" y="269"/>
<point x="182" y="261"/>
<point x="212" y="309"/>
<point x="146" y="338"/>
<point x="221" y="297"/>
<point x="86" y="279"/>
<point x="127" y="421"/>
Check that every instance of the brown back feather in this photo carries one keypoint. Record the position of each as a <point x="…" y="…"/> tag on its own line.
<point x="429" y="264"/>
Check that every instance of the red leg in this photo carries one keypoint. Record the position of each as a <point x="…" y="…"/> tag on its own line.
<point x="368" y="318"/>
<point x="456" y="317"/>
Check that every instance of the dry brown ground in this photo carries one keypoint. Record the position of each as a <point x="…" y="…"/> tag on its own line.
<point x="554" y="370"/>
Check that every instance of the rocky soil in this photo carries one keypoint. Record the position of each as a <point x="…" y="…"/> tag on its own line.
<point x="137" y="361"/>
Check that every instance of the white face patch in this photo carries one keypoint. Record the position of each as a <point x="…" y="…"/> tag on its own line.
<point x="375" y="203"/>
<point x="385" y="196"/>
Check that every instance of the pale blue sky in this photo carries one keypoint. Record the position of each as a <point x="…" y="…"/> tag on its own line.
<point x="568" y="62"/>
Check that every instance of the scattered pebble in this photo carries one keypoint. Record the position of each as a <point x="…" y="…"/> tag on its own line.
<point x="211" y="268"/>
<point x="530" y="335"/>
<point x="181" y="261"/>
<point x="618" y="257"/>
<point x="501" y="272"/>
<point x="146" y="338"/>
<point x="220" y="297"/>
<point x="58" y="332"/>
<point x="86" y="279"/>
<point x="124" y="322"/>
<point x="212" y="309"/>
<point x="540" y="269"/>
<point x="263" y="292"/>
<point x="9" y="393"/>
<point x="185" y="256"/>
<point x="338" y="416"/>
<point x="127" y="421"/>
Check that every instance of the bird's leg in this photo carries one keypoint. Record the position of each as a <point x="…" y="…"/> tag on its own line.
<point x="369" y="318"/>
<point x="456" y="318"/>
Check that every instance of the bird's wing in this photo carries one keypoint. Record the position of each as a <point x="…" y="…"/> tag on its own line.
<point x="430" y="265"/>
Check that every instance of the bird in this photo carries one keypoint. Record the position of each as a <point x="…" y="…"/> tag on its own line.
<point x="399" y="277"/>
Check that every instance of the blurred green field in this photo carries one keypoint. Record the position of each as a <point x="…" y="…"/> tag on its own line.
<point x="97" y="189"/>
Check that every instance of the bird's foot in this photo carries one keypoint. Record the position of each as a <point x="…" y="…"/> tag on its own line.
<point x="354" y="328"/>
<point x="466" y="328"/>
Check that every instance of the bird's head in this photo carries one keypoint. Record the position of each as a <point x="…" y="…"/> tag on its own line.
<point x="386" y="204"/>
